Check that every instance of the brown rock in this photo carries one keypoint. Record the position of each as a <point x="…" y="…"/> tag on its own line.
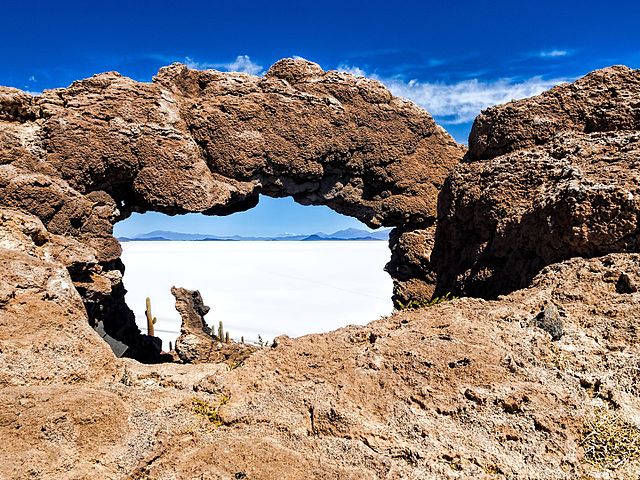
<point x="60" y="431"/>
<point x="603" y="101"/>
<point x="410" y="264"/>
<point x="45" y="337"/>
<point x="467" y="386"/>
<point x="84" y="157"/>
<point x="465" y="389"/>
<point x="572" y="191"/>
<point x="196" y="342"/>
<point x="196" y="339"/>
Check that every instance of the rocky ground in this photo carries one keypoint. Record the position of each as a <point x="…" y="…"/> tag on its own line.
<point x="465" y="389"/>
<point x="538" y="380"/>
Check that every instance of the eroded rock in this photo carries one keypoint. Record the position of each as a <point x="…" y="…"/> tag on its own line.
<point x="45" y="337"/>
<point x="410" y="265"/>
<point x="603" y="101"/>
<point x="469" y="383"/>
<point x="197" y="342"/>
<point x="196" y="339"/>
<point x="468" y="388"/>
<point x="85" y="157"/>
<point x="543" y="195"/>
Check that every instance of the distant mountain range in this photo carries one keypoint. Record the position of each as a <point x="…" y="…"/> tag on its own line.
<point x="347" y="234"/>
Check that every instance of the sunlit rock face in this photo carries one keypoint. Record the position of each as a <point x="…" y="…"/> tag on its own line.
<point x="546" y="179"/>
<point x="82" y="158"/>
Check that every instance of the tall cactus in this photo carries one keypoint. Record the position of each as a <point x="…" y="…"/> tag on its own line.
<point x="220" y="331"/>
<point x="151" y="320"/>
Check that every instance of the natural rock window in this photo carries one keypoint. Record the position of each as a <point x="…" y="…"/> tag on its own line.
<point x="83" y="158"/>
<point x="259" y="285"/>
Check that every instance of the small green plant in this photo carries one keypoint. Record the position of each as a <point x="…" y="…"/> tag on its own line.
<point x="609" y="441"/>
<point x="208" y="411"/>
<point x="413" y="304"/>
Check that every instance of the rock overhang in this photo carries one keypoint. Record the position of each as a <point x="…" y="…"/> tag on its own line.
<point x="84" y="157"/>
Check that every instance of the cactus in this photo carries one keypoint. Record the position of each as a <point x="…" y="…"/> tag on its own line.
<point x="151" y="320"/>
<point x="170" y="346"/>
<point x="220" y="331"/>
<point x="226" y="337"/>
<point x="242" y="339"/>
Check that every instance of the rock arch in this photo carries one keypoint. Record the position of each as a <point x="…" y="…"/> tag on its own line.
<point x="85" y="157"/>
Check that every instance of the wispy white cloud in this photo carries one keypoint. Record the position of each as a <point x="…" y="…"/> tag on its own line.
<point x="343" y="67"/>
<point x="553" y="53"/>
<point x="242" y="63"/>
<point x="460" y="102"/>
<point x="32" y="79"/>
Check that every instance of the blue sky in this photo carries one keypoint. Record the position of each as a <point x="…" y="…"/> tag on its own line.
<point x="453" y="58"/>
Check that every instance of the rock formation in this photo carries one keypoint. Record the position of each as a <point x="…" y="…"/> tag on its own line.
<point x="546" y="179"/>
<point x="45" y="333"/>
<point x="541" y="382"/>
<point x="465" y="389"/>
<point x="196" y="342"/>
<point x="85" y="157"/>
<point x="410" y="265"/>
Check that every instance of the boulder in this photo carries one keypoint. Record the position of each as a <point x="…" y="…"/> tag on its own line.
<point x="546" y="179"/>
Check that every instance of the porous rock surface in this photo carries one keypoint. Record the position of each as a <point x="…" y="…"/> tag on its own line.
<point x="465" y="389"/>
<point x="410" y="265"/>
<point x="546" y="179"/>
<point x="84" y="157"/>
<point x="55" y="415"/>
